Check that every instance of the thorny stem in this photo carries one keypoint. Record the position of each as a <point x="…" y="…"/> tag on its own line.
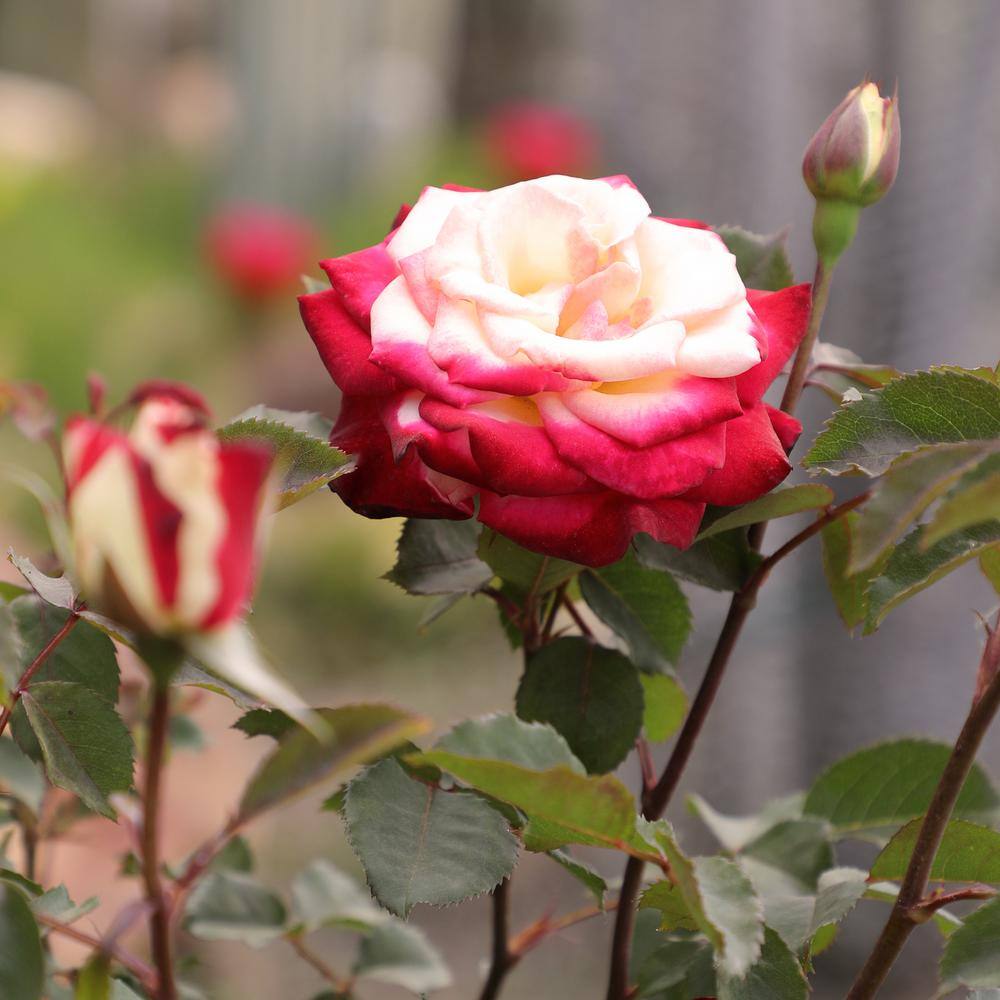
<point x="910" y="908"/>
<point x="535" y="933"/>
<point x="743" y="601"/>
<point x="159" y="922"/>
<point x="144" y="973"/>
<point x="36" y="664"/>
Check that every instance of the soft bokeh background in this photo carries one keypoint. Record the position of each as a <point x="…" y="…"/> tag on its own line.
<point x="126" y="124"/>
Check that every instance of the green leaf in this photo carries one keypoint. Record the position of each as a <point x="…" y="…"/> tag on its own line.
<point x="93" y="981"/>
<point x="21" y="961"/>
<point x="20" y="777"/>
<point x="839" y="890"/>
<point x="265" y="722"/>
<point x="420" y="844"/>
<point x="910" y="485"/>
<point x="232" y="906"/>
<point x="721" y="900"/>
<point x="971" y="957"/>
<point x="782" y="502"/>
<point x="849" y="590"/>
<point x="57" y="591"/>
<point x="643" y="606"/>
<point x="735" y="832"/>
<point x="677" y="968"/>
<point x="722" y="562"/>
<point x="589" y="694"/>
<point x="588" y="877"/>
<point x="968" y="853"/>
<point x="581" y="809"/>
<point x="989" y="563"/>
<point x="302" y="453"/>
<point x="891" y="783"/>
<point x="762" y="261"/>
<point x="668" y="899"/>
<point x="800" y="847"/>
<point x="185" y="734"/>
<point x="360" y="733"/>
<point x="85" y="656"/>
<point x="527" y="572"/>
<point x="400" y="955"/>
<point x="324" y="896"/>
<point x="971" y="502"/>
<point x="933" y="407"/>
<point x="776" y="975"/>
<point x="236" y="856"/>
<point x="56" y="903"/>
<point x="86" y="748"/>
<point x="231" y="654"/>
<point x="506" y="737"/>
<point x="664" y="706"/>
<point x="910" y="569"/>
<point x="835" y="370"/>
<point x="439" y="557"/>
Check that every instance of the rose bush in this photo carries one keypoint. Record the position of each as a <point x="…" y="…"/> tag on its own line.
<point x="165" y="519"/>
<point x="582" y="370"/>
<point x="529" y="139"/>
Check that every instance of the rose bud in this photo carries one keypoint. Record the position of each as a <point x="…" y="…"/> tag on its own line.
<point x="529" y="140"/>
<point x="165" y="519"/>
<point x="554" y="360"/>
<point x="259" y="252"/>
<point x="851" y="162"/>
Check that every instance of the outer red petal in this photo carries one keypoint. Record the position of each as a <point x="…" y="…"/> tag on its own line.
<point x="787" y="428"/>
<point x="380" y="486"/>
<point x="243" y="472"/>
<point x="343" y="345"/>
<point x="783" y="316"/>
<point x="593" y="529"/>
<point x="360" y="278"/>
<point x="162" y="523"/>
<point x="755" y="462"/>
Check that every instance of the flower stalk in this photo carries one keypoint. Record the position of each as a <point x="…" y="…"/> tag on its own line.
<point x="910" y="908"/>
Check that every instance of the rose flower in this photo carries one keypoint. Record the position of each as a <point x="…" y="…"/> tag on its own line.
<point x="552" y="358"/>
<point x="165" y="519"/>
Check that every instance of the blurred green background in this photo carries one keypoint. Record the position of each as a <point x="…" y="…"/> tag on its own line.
<point x="126" y="126"/>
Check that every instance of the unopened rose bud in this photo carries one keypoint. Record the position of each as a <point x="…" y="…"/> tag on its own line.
<point x="165" y="518"/>
<point x="851" y="162"/>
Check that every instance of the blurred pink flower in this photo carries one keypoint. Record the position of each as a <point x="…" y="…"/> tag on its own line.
<point x="259" y="251"/>
<point x="528" y="140"/>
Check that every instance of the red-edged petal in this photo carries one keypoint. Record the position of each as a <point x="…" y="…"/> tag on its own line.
<point x="662" y="470"/>
<point x="84" y="443"/>
<point x="380" y="486"/>
<point x="687" y="223"/>
<point x="243" y="472"/>
<point x="360" y="278"/>
<point x="162" y="523"/>
<point x="783" y="316"/>
<point x="755" y="462"/>
<point x="511" y="456"/>
<point x="593" y="529"/>
<point x="343" y="345"/>
<point x="786" y="427"/>
<point x="648" y="411"/>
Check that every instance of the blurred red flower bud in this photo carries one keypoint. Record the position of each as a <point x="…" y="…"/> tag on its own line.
<point x="259" y="251"/>
<point x="528" y="140"/>
<point x="855" y="154"/>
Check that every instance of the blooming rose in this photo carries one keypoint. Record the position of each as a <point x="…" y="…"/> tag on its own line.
<point x="582" y="370"/>
<point x="259" y="251"/>
<point x="164" y="519"/>
<point x="527" y="140"/>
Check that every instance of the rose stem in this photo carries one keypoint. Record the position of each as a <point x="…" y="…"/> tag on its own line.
<point x="159" y="923"/>
<point x="656" y="801"/>
<point x="803" y="356"/>
<point x="503" y="958"/>
<point x="33" y="668"/>
<point x="910" y="908"/>
<point x="136" y="966"/>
